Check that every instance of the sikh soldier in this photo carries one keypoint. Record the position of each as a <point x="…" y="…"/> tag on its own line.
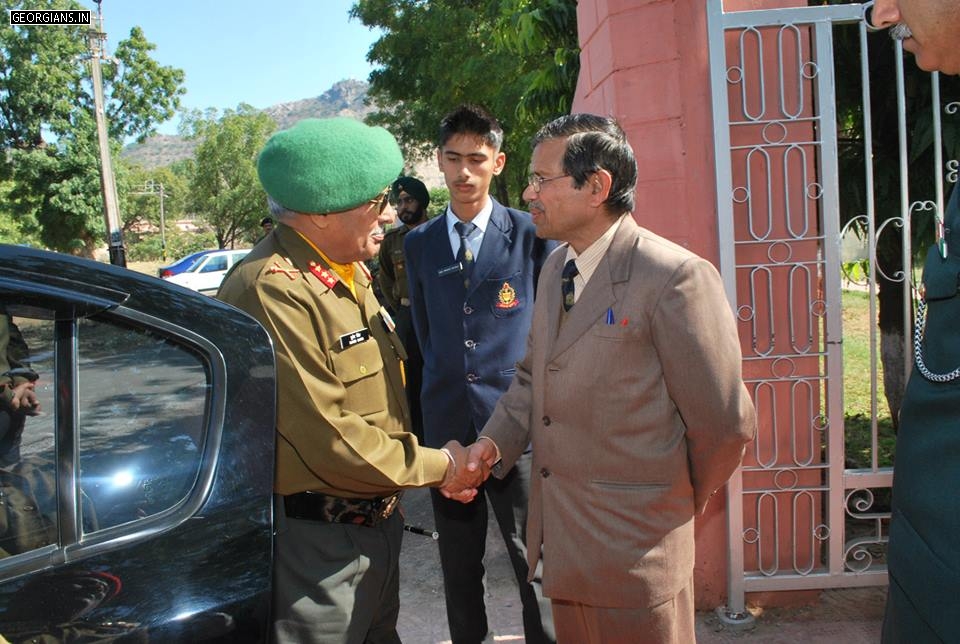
<point x="412" y="198"/>
<point x="343" y="450"/>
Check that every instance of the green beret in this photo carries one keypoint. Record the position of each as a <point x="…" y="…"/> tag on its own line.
<point x="328" y="165"/>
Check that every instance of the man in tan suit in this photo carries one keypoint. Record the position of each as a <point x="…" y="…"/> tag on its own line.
<point x="630" y="392"/>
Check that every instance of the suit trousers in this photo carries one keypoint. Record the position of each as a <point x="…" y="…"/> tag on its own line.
<point x="336" y="583"/>
<point x="669" y="622"/>
<point x="463" y="538"/>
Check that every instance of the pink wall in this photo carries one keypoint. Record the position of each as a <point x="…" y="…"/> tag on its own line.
<point x="646" y="62"/>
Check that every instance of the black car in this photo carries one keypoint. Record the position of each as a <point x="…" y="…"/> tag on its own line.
<point x="135" y="501"/>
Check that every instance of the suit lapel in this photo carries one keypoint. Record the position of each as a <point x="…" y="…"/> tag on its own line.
<point x="496" y="239"/>
<point x="598" y="296"/>
<point x="439" y="262"/>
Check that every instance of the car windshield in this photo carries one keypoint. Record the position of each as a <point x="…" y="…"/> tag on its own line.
<point x="190" y="259"/>
<point x="194" y="264"/>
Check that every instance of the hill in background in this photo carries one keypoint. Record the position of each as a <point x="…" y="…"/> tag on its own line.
<point x="345" y="98"/>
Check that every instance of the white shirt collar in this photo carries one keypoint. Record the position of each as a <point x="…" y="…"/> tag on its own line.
<point x="481" y="220"/>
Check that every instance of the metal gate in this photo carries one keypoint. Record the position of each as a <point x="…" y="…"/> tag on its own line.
<point x="799" y="517"/>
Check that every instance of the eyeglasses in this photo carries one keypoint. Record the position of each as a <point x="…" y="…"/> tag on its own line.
<point x="536" y="182"/>
<point x="381" y="200"/>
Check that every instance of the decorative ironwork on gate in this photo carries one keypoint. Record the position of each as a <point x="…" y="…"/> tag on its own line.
<point x="800" y="517"/>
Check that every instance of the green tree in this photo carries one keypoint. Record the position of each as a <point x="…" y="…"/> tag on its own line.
<point x="518" y="58"/>
<point x="47" y="129"/>
<point x="225" y="191"/>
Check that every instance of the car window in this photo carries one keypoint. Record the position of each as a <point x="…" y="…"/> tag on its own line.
<point x="141" y="409"/>
<point x="141" y="404"/>
<point x="195" y="262"/>
<point x="215" y="263"/>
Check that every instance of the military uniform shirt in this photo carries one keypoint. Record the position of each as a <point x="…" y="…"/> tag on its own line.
<point x="341" y="411"/>
<point x="393" y="272"/>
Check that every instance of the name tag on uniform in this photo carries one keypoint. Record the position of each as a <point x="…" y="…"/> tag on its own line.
<point x="387" y="320"/>
<point x="449" y="270"/>
<point x="354" y="337"/>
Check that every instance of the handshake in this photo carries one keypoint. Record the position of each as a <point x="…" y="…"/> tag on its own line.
<point x="468" y="468"/>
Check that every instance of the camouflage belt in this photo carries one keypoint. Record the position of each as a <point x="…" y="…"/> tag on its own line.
<point x="313" y="506"/>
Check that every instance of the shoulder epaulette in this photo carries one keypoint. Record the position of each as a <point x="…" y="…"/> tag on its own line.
<point x="327" y="277"/>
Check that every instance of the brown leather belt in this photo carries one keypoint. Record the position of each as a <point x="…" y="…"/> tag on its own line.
<point x="313" y="506"/>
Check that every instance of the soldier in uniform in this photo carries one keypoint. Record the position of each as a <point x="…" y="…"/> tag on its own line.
<point x="344" y="452"/>
<point x="412" y="199"/>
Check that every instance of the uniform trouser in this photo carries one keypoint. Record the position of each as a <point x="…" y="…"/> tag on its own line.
<point x="463" y="538"/>
<point x="336" y="583"/>
<point x="669" y="622"/>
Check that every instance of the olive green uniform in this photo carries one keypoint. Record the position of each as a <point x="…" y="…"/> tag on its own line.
<point x="393" y="283"/>
<point x="341" y="415"/>
<point x="341" y="432"/>
<point x="393" y="274"/>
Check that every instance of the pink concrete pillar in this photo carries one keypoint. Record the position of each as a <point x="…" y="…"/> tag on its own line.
<point x="646" y="62"/>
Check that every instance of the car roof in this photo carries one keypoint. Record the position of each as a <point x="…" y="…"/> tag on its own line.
<point x="190" y="257"/>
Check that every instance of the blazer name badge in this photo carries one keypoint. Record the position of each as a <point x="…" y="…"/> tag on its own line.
<point x="507" y="297"/>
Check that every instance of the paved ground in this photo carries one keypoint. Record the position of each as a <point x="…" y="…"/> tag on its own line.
<point x="850" y="616"/>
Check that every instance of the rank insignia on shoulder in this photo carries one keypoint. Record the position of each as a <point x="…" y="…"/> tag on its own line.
<point x="507" y="297"/>
<point x="289" y="270"/>
<point x="354" y="337"/>
<point x="327" y="277"/>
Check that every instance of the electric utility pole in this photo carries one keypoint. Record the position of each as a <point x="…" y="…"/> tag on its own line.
<point x="108" y="186"/>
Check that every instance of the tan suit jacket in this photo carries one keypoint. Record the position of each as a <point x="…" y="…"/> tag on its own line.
<point x="633" y="424"/>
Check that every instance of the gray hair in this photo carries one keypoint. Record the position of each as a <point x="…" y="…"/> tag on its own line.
<point x="279" y="212"/>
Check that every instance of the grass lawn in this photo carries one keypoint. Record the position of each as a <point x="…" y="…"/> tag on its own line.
<point x="856" y="387"/>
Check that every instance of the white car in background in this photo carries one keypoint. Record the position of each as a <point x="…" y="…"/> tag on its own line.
<point x="208" y="271"/>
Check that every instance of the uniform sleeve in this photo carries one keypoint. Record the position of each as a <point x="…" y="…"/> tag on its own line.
<point x="696" y="337"/>
<point x="344" y="448"/>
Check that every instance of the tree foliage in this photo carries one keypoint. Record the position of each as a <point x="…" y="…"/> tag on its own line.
<point x="518" y="58"/>
<point x="226" y="193"/>
<point x="48" y="130"/>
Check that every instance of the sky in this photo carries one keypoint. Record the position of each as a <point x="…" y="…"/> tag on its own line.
<point x="238" y="51"/>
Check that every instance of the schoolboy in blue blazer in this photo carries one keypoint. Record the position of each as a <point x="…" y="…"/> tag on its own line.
<point x="471" y="294"/>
